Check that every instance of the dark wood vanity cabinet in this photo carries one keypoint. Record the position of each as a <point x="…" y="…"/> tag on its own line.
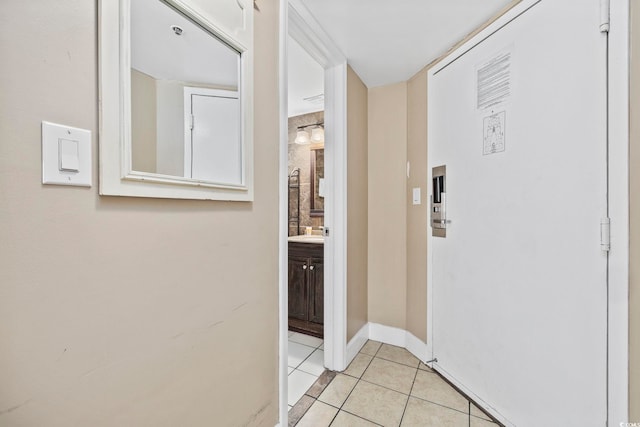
<point x="298" y="269"/>
<point x="316" y="290"/>
<point x="306" y="288"/>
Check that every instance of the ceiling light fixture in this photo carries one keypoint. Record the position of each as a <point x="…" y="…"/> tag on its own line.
<point x="317" y="134"/>
<point x="302" y="137"/>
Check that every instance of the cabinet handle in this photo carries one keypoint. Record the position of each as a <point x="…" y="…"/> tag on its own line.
<point x="304" y="267"/>
<point x="311" y="267"/>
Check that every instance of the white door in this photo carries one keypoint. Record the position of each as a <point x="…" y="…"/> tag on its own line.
<point x="519" y="283"/>
<point x="213" y="147"/>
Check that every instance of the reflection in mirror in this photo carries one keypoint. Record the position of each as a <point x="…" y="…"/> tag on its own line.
<point x="185" y="102"/>
<point x="317" y="181"/>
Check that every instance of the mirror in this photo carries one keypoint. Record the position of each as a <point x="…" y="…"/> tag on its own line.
<point x="185" y="109"/>
<point x="185" y="89"/>
<point x="317" y="181"/>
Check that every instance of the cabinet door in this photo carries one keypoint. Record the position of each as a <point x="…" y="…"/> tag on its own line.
<point x="316" y="290"/>
<point x="298" y="294"/>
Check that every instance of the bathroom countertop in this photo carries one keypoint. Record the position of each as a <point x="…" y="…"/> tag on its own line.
<point x="318" y="240"/>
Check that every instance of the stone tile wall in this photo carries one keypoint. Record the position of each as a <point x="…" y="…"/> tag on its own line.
<point x="299" y="157"/>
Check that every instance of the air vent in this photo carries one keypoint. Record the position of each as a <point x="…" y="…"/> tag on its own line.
<point x="317" y="99"/>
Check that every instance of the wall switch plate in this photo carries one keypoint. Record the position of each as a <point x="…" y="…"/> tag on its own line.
<point x="66" y="155"/>
<point x="416" y="196"/>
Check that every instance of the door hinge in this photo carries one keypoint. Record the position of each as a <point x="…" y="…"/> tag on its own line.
<point x="605" y="15"/>
<point x="605" y="234"/>
<point x="192" y="121"/>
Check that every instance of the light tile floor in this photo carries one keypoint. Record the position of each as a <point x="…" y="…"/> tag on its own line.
<point x="306" y="363"/>
<point x="387" y="386"/>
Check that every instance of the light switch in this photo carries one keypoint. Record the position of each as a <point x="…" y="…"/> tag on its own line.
<point x="66" y="155"/>
<point x="68" y="159"/>
<point x="416" y="196"/>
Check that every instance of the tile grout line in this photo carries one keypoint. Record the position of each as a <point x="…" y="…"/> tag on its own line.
<point x="314" y="349"/>
<point x="354" y="387"/>
<point x="359" y="379"/>
<point x="400" y="363"/>
<point x="347" y="412"/>
<point x="431" y="371"/>
<point x="308" y="346"/>
<point x="301" y="363"/>
<point x="335" y="416"/>
<point x="409" y="396"/>
<point x="315" y="399"/>
<point x="317" y="346"/>
<point x="358" y="416"/>
<point x="305" y="359"/>
<point x="303" y="414"/>
<point x="441" y="405"/>
<point x="390" y="389"/>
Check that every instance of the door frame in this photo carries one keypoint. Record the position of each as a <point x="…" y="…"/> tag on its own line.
<point x="618" y="295"/>
<point x="296" y="20"/>
<point x="618" y="193"/>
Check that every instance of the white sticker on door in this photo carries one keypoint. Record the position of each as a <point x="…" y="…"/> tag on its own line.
<point x="494" y="133"/>
<point x="494" y="81"/>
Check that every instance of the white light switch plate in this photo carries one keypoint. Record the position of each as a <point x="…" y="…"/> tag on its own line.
<point x="416" y="196"/>
<point x="59" y="155"/>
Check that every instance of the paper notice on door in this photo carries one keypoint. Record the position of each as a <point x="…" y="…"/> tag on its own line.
<point x="494" y="81"/>
<point x="493" y="136"/>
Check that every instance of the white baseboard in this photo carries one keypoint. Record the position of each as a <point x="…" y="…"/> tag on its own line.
<point x="417" y="347"/>
<point x="387" y="334"/>
<point x="356" y="343"/>
<point x="400" y="338"/>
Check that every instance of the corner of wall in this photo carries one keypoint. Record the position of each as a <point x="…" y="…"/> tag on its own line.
<point x="357" y="204"/>
<point x="417" y="227"/>
<point x="387" y="158"/>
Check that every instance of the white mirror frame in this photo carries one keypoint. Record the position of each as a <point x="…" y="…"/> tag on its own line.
<point x="116" y="175"/>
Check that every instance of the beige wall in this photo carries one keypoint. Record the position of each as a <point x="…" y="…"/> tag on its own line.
<point x="170" y="145"/>
<point x="144" y="123"/>
<point x="397" y="228"/>
<point x="417" y="215"/>
<point x="634" y="254"/>
<point x="357" y="204"/>
<point x="387" y="271"/>
<point x="122" y="311"/>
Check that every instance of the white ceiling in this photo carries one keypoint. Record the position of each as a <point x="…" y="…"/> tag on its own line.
<point x="195" y="56"/>
<point x="388" y="41"/>
<point x="306" y="80"/>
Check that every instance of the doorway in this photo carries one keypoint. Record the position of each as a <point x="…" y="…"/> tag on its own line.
<point x="305" y="218"/>
<point x="297" y="22"/>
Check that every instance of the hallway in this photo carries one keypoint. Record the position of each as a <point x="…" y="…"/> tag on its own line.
<point x="385" y="386"/>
